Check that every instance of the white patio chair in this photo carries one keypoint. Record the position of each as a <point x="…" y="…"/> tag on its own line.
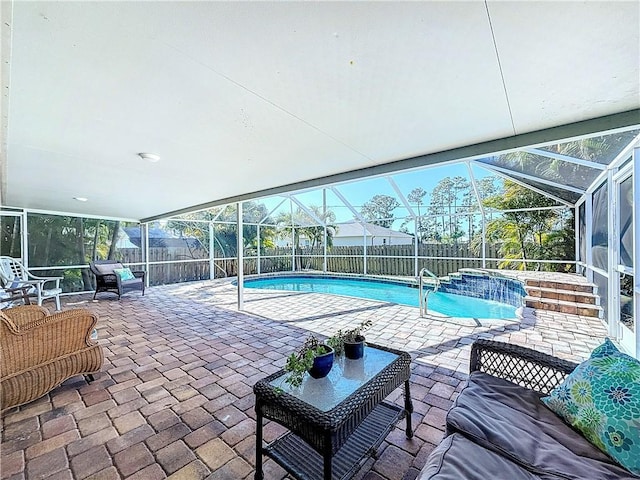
<point x="14" y="274"/>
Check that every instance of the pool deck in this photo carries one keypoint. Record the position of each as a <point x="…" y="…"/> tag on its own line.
<point x="174" y="397"/>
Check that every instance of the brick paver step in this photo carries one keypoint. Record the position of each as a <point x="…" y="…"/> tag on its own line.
<point x="562" y="306"/>
<point x="562" y="294"/>
<point x="560" y="285"/>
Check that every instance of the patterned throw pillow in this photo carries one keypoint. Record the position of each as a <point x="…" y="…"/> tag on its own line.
<point x="124" y="273"/>
<point x="601" y="399"/>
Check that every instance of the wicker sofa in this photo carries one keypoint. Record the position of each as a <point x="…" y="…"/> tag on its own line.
<point x="108" y="281"/>
<point x="40" y="351"/>
<point x="499" y="429"/>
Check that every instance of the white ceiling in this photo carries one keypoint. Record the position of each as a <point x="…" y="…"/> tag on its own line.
<point x="241" y="97"/>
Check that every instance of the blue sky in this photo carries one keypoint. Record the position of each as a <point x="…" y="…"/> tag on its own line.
<point x="359" y="192"/>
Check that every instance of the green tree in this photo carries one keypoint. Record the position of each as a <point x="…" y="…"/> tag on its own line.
<point x="225" y="228"/>
<point x="301" y="224"/>
<point x="528" y="235"/>
<point x="447" y="202"/>
<point x="416" y="197"/>
<point x="379" y="210"/>
<point x="10" y="236"/>
<point x="56" y="240"/>
<point x="600" y="149"/>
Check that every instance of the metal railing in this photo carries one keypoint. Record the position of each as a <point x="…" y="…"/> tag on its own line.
<point x="424" y="294"/>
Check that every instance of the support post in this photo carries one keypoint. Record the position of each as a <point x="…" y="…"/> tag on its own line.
<point x="259" y="244"/>
<point x="145" y="246"/>
<point x="212" y="263"/>
<point x="240" y="258"/>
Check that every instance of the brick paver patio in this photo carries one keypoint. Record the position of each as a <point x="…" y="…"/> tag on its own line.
<point x="174" y="397"/>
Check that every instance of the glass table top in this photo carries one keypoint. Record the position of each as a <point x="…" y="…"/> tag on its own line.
<point x="345" y="377"/>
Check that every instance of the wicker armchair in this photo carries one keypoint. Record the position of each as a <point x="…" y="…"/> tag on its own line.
<point x="40" y="351"/>
<point x="108" y="281"/>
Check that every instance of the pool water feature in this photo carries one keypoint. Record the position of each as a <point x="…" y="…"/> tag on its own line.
<point x="485" y="284"/>
<point x="446" y="303"/>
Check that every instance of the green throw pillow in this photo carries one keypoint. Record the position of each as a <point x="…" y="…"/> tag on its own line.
<point x="601" y="399"/>
<point x="124" y="273"/>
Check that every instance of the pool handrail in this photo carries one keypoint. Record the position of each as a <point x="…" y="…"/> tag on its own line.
<point x="424" y="299"/>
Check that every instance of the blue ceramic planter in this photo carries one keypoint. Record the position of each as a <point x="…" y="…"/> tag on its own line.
<point x="355" y="350"/>
<point x="322" y="364"/>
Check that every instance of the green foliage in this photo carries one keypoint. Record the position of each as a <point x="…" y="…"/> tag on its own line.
<point x="450" y="197"/>
<point x="529" y="234"/>
<point x="226" y="229"/>
<point x="379" y="210"/>
<point x="10" y="236"/>
<point x="352" y="335"/>
<point x="56" y="240"/>
<point x="300" y="362"/>
<point x="302" y="224"/>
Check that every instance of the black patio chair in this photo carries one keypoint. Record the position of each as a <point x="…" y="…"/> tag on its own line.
<point x="107" y="280"/>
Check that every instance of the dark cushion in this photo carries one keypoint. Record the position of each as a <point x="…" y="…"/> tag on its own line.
<point x="458" y="458"/>
<point x="513" y="421"/>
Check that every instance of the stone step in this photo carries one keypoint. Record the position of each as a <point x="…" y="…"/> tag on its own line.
<point x="574" y="287"/>
<point x="562" y="294"/>
<point x="574" y="308"/>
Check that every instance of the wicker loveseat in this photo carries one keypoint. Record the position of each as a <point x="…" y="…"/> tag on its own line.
<point x="108" y="281"/>
<point x="498" y="428"/>
<point x="39" y="351"/>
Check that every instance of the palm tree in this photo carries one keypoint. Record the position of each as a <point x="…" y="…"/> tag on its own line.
<point x="301" y="224"/>
<point x="527" y="234"/>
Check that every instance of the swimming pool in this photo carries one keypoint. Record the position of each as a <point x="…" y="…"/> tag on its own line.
<point x="449" y="304"/>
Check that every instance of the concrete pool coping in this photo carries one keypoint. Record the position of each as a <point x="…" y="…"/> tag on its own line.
<point x="404" y="280"/>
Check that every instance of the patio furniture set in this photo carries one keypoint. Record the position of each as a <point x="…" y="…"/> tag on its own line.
<point x="334" y="423"/>
<point x="506" y="422"/>
<point x="499" y="426"/>
<point x="19" y="284"/>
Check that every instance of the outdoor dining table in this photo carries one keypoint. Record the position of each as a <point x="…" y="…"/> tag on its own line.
<point x="335" y="422"/>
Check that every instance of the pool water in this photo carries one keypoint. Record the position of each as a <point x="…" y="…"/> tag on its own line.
<point x="445" y="303"/>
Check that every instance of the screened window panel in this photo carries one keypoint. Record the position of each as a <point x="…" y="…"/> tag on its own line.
<point x="566" y="195"/>
<point x="255" y="212"/>
<point x="488" y="185"/>
<point x="582" y="233"/>
<point x="225" y="239"/>
<point x="626" y="301"/>
<point x="626" y="222"/>
<point x="376" y="201"/>
<point x="603" y="291"/>
<point x="557" y="171"/>
<point x="599" y="236"/>
<point x="10" y="236"/>
<point x="601" y="149"/>
<point x="178" y="240"/>
<point x="338" y="208"/>
<point x="56" y="240"/>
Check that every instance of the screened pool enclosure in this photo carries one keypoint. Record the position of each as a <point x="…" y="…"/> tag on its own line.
<point x="565" y="206"/>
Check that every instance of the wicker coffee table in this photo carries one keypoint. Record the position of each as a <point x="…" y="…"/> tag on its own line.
<point x="336" y="422"/>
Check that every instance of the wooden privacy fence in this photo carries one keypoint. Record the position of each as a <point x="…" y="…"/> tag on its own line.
<point x="396" y="260"/>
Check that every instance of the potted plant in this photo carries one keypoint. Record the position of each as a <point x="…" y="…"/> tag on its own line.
<point x="351" y="341"/>
<point x="313" y="357"/>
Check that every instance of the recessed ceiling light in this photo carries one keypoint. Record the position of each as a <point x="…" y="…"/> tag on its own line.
<point x="151" y="157"/>
<point x="80" y="199"/>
